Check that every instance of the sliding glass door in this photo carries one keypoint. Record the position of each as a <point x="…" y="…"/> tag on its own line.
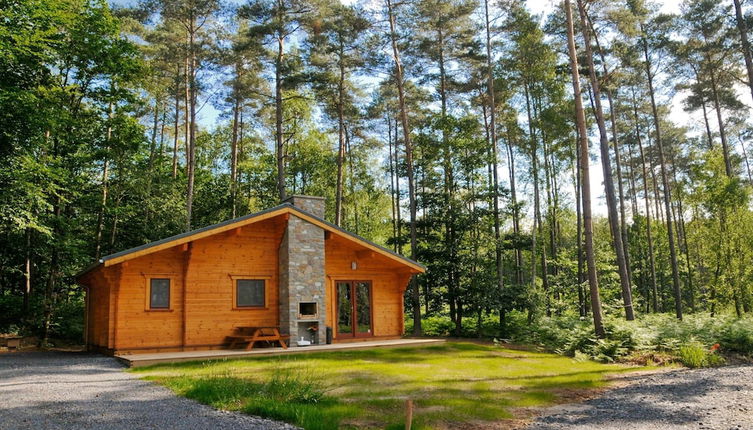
<point x="353" y="309"/>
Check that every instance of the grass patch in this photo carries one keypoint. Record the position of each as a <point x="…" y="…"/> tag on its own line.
<point x="449" y="384"/>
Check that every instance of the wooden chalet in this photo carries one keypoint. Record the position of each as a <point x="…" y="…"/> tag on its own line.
<point x="285" y="268"/>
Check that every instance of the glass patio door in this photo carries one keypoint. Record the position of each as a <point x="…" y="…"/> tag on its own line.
<point x="353" y="309"/>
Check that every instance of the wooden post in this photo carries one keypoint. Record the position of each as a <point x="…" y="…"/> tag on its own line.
<point x="408" y="414"/>
<point x="187" y="252"/>
<point x="87" y="301"/>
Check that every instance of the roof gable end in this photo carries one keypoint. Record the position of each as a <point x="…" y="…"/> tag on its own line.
<point x="285" y="208"/>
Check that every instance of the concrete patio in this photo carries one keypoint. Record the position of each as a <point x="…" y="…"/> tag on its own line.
<point x="139" y="360"/>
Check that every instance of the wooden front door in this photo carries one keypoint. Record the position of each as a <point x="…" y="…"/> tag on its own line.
<point x="353" y="309"/>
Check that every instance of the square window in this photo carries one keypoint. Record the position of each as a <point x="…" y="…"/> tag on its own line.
<point x="249" y="293"/>
<point x="159" y="293"/>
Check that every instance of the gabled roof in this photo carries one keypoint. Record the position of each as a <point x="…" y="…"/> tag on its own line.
<point x="285" y="208"/>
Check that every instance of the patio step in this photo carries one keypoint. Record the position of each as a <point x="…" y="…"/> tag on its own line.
<point x="147" y="359"/>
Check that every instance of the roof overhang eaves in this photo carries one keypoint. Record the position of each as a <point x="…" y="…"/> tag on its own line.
<point x="190" y="236"/>
<point x="284" y="208"/>
<point x="86" y="270"/>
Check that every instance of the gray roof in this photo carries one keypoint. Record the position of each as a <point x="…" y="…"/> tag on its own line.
<point x="233" y="221"/>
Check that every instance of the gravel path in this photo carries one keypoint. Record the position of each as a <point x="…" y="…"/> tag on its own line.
<point x="718" y="399"/>
<point x="53" y="390"/>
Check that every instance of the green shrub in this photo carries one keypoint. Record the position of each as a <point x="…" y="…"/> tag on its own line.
<point x="737" y="336"/>
<point x="68" y="320"/>
<point x="435" y="325"/>
<point x="660" y="336"/>
<point x="11" y="308"/>
<point x="695" y="355"/>
<point x="442" y="326"/>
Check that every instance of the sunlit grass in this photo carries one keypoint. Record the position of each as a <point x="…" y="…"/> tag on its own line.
<point x="449" y="383"/>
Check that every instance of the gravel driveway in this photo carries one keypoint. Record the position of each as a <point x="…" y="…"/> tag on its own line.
<point x="719" y="399"/>
<point x="54" y="390"/>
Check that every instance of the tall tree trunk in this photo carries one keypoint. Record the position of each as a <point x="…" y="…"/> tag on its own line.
<point x="340" y="135"/>
<point x="234" y="149"/>
<point x="449" y="183"/>
<point x="187" y="113"/>
<point x="351" y="180"/>
<point x="114" y="228"/>
<point x="54" y="265"/>
<point x="415" y="293"/>
<point x="192" y="126"/>
<point x="394" y="206"/>
<point x="704" y="110"/>
<point x="551" y="206"/>
<point x="582" y="311"/>
<point x="176" y="121"/>
<point x="616" y="147"/>
<point x="163" y="122"/>
<point x="514" y="205"/>
<point x="495" y="180"/>
<point x="649" y="237"/>
<point x="153" y="140"/>
<point x="54" y="272"/>
<point x="397" y="192"/>
<point x="682" y="238"/>
<point x="152" y="157"/>
<point x="744" y="44"/>
<point x="548" y="191"/>
<point x="632" y="187"/>
<point x="585" y="178"/>
<point x="614" y="221"/>
<point x="105" y="176"/>
<point x="665" y="181"/>
<point x="27" y="272"/>
<point x="279" y="148"/>
<point x="720" y="120"/>
<point x="745" y="158"/>
<point x="537" y="226"/>
<point x="658" y="211"/>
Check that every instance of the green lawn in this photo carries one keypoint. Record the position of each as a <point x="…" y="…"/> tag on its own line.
<point x="449" y="383"/>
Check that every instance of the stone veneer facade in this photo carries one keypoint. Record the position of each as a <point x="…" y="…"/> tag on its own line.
<point x="301" y="279"/>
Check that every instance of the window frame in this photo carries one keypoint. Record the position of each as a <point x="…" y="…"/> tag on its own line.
<point x="266" y="279"/>
<point x="148" y="304"/>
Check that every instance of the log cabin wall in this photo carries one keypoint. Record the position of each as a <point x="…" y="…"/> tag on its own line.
<point x="205" y="270"/>
<point x="98" y="309"/>
<point x="137" y="326"/>
<point x="388" y="282"/>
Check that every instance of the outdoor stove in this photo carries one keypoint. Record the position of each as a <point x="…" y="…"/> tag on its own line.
<point x="308" y="311"/>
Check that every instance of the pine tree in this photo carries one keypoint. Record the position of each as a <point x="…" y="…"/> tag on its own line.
<point x="614" y="220"/>
<point x="584" y="175"/>
<point x="337" y="51"/>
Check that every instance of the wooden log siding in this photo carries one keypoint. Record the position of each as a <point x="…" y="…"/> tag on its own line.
<point x="201" y="272"/>
<point x="388" y="283"/>
<point x="201" y="312"/>
<point x="97" y="315"/>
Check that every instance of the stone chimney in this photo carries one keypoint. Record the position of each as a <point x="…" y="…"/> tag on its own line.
<point x="311" y="204"/>
<point x="301" y="280"/>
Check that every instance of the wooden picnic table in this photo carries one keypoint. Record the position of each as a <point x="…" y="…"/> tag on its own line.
<point x="13" y="342"/>
<point x="251" y="335"/>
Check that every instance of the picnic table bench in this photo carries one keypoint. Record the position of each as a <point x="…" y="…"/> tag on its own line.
<point x="12" y="342"/>
<point x="251" y="335"/>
